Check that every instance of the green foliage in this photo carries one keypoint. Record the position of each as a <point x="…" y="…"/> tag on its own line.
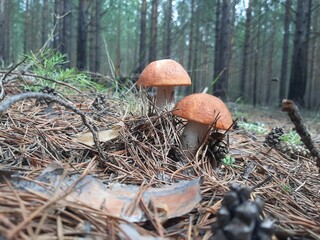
<point x="228" y="160"/>
<point x="287" y="188"/>
<point x="50" y="64"/>
<point x="291" y="137"/>
<point x="255" y="127"/>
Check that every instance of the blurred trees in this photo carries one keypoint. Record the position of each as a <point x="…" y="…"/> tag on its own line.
<point x="258" y="52"/>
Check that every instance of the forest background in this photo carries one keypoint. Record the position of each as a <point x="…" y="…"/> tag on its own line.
<point x="256" y="52"/>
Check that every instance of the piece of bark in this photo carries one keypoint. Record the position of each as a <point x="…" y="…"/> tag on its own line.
<point x="294" y="115"/>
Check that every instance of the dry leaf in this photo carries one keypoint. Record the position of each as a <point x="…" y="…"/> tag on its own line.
<point x="104" y="135"/>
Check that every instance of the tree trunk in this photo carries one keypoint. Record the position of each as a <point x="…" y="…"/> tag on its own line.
<point x="82" y="34"/>
<point x="216" y="70"/>
<point x="118" y="47"/>
<point x="7" y="33"/>
<point x="57" y="24"/>
<point x="299" y="68"/>
<point x="2" y="30"/>
<point x="153" y="32"/>
<point x="143" y="33"/>
<point x="245" y="55"/>
<point x="285" y="51"/>
<point x="167" y="48"/>
<point x="190" y="50"/>
<point x="66" y="38"/>
<point x="221" y="86"/>
<point x="26" y="39"/>
<point x="45" y="23"/>
<point x="97" y="37"/>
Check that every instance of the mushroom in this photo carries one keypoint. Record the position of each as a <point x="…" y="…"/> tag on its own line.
<point x="201" y="109"/>
<point x="165" y="75"/>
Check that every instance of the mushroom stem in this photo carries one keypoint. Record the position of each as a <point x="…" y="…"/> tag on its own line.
<point x="165" y="96"/>
<point x="192" y="136"/>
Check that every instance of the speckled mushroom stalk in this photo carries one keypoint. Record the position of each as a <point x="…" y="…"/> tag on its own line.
<point x="165" y="97"/>
<point x="164" y="75"/>
<point x="192" y="135"/>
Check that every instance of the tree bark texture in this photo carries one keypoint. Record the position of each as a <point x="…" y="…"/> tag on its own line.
<point x="82" y="34"/>
<point x="245" y="55"/>
<point x="285" y="52"/>
<point x="67" y="27"/>
<point x="153" y="32"/>
<point x="167" y="48"/>
<point x="143" y="33"/>
<point x="221" y="85"/>
<point x="299" y="68"/>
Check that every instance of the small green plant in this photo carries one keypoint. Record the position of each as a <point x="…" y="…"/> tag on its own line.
<point x="291" y="137"/>
<point x="50" y="64"/>
<point x="254" y="127"/>
<point x="287" y="188"/>
<point x="228" y="160"/>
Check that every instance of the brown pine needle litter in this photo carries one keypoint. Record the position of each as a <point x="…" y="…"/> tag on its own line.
<point x="147" y="153"/>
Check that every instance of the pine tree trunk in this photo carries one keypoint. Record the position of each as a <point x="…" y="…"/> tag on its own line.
<point x="299" y="68"/>
<point x="168" y="30"/>
<point x="97" y="37"/>
<point x="67" y="27"/>
<point x="2" y="30"/>
<point x="245" y="55"/>
<point x="190" y="49"/>
<point x="118" y="48"/>
<point x="285" y="51"/>
<point x="82" y="34"/>
<point x="153" y="32"/>
<point x="44" y="23"/>
<point x="143" y="33"/>
<point x="221" y="86"/>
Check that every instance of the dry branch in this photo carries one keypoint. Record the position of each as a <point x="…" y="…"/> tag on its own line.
<point x="294" y="115"/>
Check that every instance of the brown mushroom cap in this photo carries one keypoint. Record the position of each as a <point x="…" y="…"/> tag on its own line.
<point x="203" y="108"/>
<point x="164" y="72"/>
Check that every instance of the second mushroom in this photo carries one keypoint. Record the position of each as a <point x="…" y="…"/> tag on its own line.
<point x="201" y="110"/>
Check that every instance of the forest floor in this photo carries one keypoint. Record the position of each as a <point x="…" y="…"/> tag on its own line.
<point x="45" y="158"/>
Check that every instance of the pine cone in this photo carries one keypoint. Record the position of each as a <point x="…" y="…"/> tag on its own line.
<point x="273" y="137"/>
<point x="293" y="150"/>
<point x="47" y="90"/>
<point x="218" y="146"/>
<point x="239" y="218"/>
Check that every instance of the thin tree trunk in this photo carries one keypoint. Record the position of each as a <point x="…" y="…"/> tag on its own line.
<point x="82" y="34"/>
<point x="56" y="22"/>
<point x="221" y="86"/>
<point x="299" y="68"/>
<point x="190" y="51"/>
<point x="67" y="27"/>
<point x="285" y="51"/>
<point x="216" y="70"/>
<point x="245" y="55"/>
<point x="7" y="33"/>
<point x="44" y="23"/>
<point x="143" y="33"/>
<point x="2" y="35"/>
<point x="153" y="32"/>
<point x="26" y="26"/>
<point x="118" y="47"/>
<point x="256" y="59"/>
<point x="97" y="36"/>
<point x="167" y="53"/>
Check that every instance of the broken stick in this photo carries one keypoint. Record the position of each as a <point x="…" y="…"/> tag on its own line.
<point x="294" y="115"/>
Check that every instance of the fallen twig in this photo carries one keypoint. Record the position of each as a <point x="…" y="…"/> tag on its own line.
<point x="294" y="115"/>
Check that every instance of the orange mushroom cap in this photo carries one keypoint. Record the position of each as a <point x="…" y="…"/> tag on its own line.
<point x="203" y="108"/>
<point x="164" y="72"/>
